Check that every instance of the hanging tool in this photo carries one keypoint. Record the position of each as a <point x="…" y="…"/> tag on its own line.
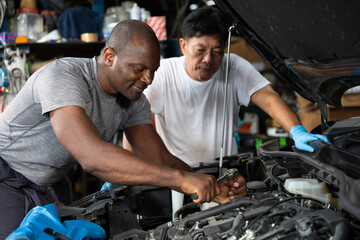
<point x="225" y="101"/>
<point x="14" y="73"/>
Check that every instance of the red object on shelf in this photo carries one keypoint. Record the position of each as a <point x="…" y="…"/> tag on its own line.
<point x="158" y="24"/>
<point x="245" y="127"/>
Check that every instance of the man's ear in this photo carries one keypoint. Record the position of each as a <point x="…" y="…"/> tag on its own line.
<point x="182" y="44"/>
<point x="109" y="56"/>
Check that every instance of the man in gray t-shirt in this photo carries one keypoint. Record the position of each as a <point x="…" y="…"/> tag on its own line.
<point x="69" y="110"/>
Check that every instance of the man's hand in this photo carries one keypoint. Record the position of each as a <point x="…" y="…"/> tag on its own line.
<point x="231" y="189"/>
<point x="301" y="138"/>
<point x="204" y="185"/>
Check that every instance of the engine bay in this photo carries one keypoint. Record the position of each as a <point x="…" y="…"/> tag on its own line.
<point x="291" y="195"/>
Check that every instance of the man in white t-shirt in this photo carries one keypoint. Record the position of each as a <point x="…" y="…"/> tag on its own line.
<point x="187" y="94"/>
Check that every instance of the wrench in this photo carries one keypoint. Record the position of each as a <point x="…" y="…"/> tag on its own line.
<point x="230" y="173"/>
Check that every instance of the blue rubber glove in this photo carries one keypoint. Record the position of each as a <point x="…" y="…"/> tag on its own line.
<point x="301" y="138"/>
<point x="42" y="222"/>
<point x="108" y="186"/>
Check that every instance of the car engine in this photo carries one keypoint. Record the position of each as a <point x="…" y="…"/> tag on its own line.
<point x="291" y="195"/>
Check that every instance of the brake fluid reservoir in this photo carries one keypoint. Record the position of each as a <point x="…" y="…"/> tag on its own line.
<point x="311" y="188"/>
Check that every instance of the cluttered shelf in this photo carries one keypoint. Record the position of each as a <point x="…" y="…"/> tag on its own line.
<point x="69" y="49"/>
<point x="47" y="50"/>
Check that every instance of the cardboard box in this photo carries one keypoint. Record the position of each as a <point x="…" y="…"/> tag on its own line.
<point x="243" y="49"/>
<point x="310" y="115"/>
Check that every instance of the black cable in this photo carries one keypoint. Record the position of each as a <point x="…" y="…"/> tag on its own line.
<point x="285" y="211"/>
<point x="277" y="181"/>
<point x="185" y="209"/>
<point x="57" y="235"/>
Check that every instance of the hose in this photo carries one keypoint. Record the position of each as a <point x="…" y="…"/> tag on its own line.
<point x="184" y="209"/>
<point x="214" y="211"/>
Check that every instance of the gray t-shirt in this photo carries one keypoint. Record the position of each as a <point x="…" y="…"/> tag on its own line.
<point x="27" y="141"/>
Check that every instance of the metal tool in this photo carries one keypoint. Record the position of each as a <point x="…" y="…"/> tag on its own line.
<point x="231" y="173"/>
<point x="225" y="100"/>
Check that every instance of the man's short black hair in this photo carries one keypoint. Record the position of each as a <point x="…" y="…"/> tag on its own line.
<point x="205" y="21"/>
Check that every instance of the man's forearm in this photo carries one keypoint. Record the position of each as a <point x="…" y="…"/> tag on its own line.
<point x="284" y="116"/>
<point x="155" y="151"/>
<point x="271" y="103"/>
<point x="176" y="163"/>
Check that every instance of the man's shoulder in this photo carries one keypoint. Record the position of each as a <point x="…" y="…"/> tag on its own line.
<point x="66" y="72"/>
<point x="238" y="63"/>
<point x="171" y="67"/>
<point x="83" y="68"/>
<point x="236" y="58"/>
<point x="173" y="61"/>
<point x="72" y="62"/>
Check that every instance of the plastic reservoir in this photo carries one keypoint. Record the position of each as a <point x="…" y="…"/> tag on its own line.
<point x="311" y="188"/>
<point x="29" y="23"/>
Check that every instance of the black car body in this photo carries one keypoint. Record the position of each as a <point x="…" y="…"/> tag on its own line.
<point x="314" y="47"/>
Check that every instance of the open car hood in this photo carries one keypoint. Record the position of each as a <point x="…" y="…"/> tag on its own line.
<point x="314" y="46"/>
<point x="292" y="194"/>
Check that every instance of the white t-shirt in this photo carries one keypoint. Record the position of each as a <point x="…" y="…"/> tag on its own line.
<point x="189" y="113"/>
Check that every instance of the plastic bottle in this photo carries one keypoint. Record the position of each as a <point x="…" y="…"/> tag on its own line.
<point x="28" y="22"/>
<point x="110" y="21"/>
<point x="145" y="14"/>
<point x="49" y="23"/>
<point x="135" y="12"/>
